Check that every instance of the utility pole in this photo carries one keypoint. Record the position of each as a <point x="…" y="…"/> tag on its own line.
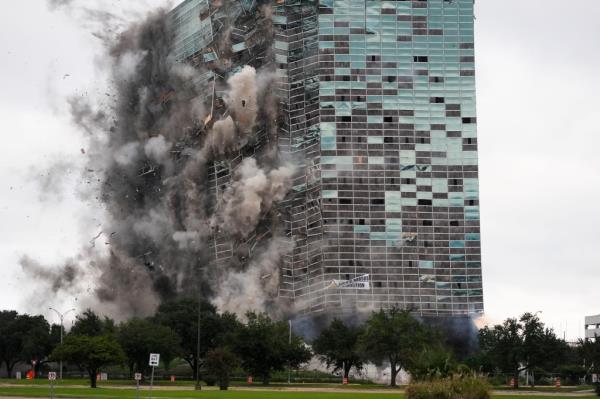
<point x="289" y="362"/>
<point x="61" y="316"/>
<point x="198" y="386"/>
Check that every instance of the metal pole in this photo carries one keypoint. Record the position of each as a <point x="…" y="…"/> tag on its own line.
<point x="289" y="363"/>
<point x="198" y="387"/>
<point x="51" y="389"/>
<point x="61" y="342"/>
<point x="137" y="389"/>
<point x="61" y="316"/>
<point x="151" y="381"/>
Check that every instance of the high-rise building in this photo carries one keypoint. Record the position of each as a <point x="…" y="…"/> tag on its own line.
<point x="592" y="327"/>
<point x="378" y="107"/>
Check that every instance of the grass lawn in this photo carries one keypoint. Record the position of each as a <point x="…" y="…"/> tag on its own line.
<point x="75" y="382"/>
<point x="66" y="392"/>
<point x="107" y="393"/>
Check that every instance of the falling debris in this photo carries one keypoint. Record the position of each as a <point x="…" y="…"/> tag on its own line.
<point x="93" y="240"/>
<point x="183" y="159"/>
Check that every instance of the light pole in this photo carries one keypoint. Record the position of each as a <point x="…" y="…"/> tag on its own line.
<point x="198" y="387"/>
<point x="290" y="345"/>
<point x="61" y="316"/>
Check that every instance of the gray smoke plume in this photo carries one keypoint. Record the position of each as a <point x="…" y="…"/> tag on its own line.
<point x="152" y="148"/>
<point x="258" y="285"/>
<point x="54" y="4"/>
<point x="58" y="277"/>
<point x="222" y="138"/>
<point x="242" y="98"/>
<point x="250" y="195"/>
<point x="51" y="181"/>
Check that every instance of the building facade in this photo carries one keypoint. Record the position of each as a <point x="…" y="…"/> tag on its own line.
<point x="592" y="326"/>
<point x="378" y="110"/>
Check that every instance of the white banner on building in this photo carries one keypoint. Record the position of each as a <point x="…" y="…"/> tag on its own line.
<point x="357" y="283"/>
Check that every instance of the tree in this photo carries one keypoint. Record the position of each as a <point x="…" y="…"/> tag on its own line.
<point x="220" y="362"/>
<point x="589" y="354"/>
<point x="140" y="337"/>
<point x="9" y="340"/>
<point x="434" y="362"/>
<point x="23" y="338"/>
<point x="37" y="341"/>
<point x="263" y="346"/>
<point x="521" y="344"/>
<point x="393" y="336"/>
<point x="181" y="316"/>
<point x="337" y="346"/>
<point x="91" y="325"/>
<point x="90" y="353"/>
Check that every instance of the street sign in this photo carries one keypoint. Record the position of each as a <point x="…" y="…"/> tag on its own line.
<point x="154" y="359"/>
<point x="52" y="376"/>
<point x="138" y="376"/>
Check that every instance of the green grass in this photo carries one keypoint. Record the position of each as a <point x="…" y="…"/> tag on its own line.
<point x="106" y="393"/>
<point x="124" y="393"/>
<point x="547" y="388"/>
<point x="70" y="382"/>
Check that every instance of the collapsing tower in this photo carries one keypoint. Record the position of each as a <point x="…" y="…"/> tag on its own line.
<point x="377" y="111"/>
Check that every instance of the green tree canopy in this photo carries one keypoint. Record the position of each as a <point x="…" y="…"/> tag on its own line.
<point x="337" y="346"/>
<point x="220" y="363"/>
<point x="395" y="337"/>
<point x="434" y="362"/>
<point x="520" y="344"/>
<point x="23" y="338"/>
<point x="140" y="337"/>
<point x="589" y="352"/>
<point x="90" y="353"/>
<point x="90" y="324"/>
<point x="263" y="346"/>
<point x="181" y="316"/>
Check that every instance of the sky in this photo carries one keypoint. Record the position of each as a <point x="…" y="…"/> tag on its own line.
<point x="537" y="98"/>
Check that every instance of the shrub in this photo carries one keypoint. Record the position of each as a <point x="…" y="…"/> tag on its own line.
<point x="597" y="388"/>
<point x="455" y="388"/>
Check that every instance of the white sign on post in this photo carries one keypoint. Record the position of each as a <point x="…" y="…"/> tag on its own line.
<point x="138" y="376"/>
<point x="52" y="376"/>
<point x="154" y="359"/>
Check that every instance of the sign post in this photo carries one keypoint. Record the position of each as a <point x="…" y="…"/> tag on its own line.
<point x="52" y="378"/>
<point x="138" y="377"/>
<point x="154" y="360"/>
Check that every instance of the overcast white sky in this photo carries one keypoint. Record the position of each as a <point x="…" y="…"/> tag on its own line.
<point x="538" y="83"/>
